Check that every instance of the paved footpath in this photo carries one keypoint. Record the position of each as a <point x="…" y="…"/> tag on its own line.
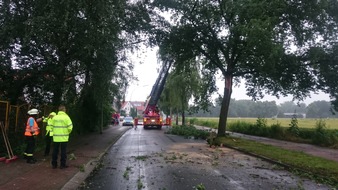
<point x="87" y="149"/>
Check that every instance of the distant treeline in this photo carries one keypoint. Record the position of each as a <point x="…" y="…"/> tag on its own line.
<point x="268" y="109"/>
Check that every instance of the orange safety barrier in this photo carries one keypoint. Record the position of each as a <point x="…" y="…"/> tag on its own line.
<point x="168" y="121"/>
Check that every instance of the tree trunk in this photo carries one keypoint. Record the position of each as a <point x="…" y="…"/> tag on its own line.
<point x="176" y="117"/>
<point x="225" y="106"/>
<point x="59" y="85"/>
<point x="183" y="118"/>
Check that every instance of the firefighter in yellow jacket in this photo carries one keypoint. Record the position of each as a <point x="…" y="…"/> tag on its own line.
<point x="61" y="127"/>
<point x="32" y="130"/>
<point x="49" y="132"/>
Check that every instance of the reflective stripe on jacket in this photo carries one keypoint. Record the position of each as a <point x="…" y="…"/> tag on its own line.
<point x="48" y="126"/>
<point x="61" y="127"/>
<point x="32" y="129"/>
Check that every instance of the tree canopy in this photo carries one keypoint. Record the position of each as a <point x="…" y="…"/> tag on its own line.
<point x="74" y="52"/>
<point x="278" y="47"/>
<point x="69" y="52"/>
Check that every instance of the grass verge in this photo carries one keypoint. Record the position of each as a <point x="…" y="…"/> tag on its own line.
<point x="320" y="169"/>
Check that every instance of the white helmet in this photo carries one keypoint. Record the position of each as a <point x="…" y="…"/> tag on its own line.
<point x="33" y="112"/>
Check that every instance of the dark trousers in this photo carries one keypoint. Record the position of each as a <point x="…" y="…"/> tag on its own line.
<point x="48" y="140"/>
<point x="30" y="141"/>
<point x="63" y="159"/>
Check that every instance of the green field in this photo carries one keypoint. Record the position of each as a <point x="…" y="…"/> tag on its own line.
<point x="285" y="122"/>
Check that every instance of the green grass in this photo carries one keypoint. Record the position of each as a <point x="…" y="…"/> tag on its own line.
<point x="142" y="158"/>
<point x="321" y="132"/>
<point x="139" y="184"/>
<point x="126" y="173"/>
<point x="322" y="170"/>
<point x="303" y="123"/>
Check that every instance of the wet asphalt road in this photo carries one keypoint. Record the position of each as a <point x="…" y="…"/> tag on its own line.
<point x="153" y="160"/>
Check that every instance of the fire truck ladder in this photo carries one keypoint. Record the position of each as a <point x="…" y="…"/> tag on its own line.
<point x="158" y="86"/>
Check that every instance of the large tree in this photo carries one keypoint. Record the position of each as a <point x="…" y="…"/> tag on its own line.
<point x="320" y="109"/>
<point x="266" y="42"/>
<point x="70" y="52"/>
<point x="186" y="80"/>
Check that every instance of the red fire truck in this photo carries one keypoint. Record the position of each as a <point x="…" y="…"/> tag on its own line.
<point x="151" y="114"/>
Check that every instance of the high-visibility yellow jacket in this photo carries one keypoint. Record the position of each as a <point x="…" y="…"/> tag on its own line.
<point x="61" y="126"/>
<point x="32" y="130"/>
<point x="48" y="126"/>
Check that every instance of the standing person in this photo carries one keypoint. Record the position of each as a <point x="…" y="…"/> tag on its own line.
<point x="49" y="132"/>
<point x="32" y="130"/>
<point x="62" y="126"/>
<point x="116" y="118"/>
<point x="135" y="122"/>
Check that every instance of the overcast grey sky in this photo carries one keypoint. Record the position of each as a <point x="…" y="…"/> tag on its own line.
<point x="147" y="73"/>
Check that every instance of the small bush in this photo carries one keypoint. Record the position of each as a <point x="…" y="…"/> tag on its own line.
<point x="239" y="127"/>
<point x="192" y="121"/>
<point x="294" y="128"/>
<point x="323" y="136"/>
<point x="319" y="135"/>
<point x="206" y="123"/>
<point x="306" y="133"/>
<point x="260" y="128"/>
<point x="188" y="131"/>
<point x="277" y="131"/>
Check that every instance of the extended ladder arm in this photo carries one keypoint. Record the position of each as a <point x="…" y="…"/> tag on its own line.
<point x="158" y="87"/>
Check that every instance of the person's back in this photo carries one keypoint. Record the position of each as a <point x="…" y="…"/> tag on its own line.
<point x="62" y="127"/>
<point x="32" y="130"/>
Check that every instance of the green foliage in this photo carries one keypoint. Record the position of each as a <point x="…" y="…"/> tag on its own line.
<point x="192" y="121"/>
<point x="133" y="112"/>
<point x="277" y="131"/>
<point x="188" y="131"/>
<point x="257" y="45"/>
<point x="126" y="173"/>
<point x="319" y="136"/>
<point x="240" y="127"/>
<point x="324" y="137"/>
<point x="260" y="128"/>
<point x="294" y="129"/>
<point x="142" y="158"/>
<point x="199" y="187"/>
<point x="74" y="55"/>
<point x="319" y="109"/>
<point x="185" y="79"/>
<point x="72" y="156"/>
<point x="211" y="124"/>
<point x="261" y="122"/>
<point x="266" y="109"/>
<point x="325" y="170"/>
<point x="216" y="141"/>
<point x="82" y="168"/>
<point x="139" y="184"/>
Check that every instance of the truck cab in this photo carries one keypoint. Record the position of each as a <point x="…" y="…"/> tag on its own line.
<point x="152" y="118"/>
